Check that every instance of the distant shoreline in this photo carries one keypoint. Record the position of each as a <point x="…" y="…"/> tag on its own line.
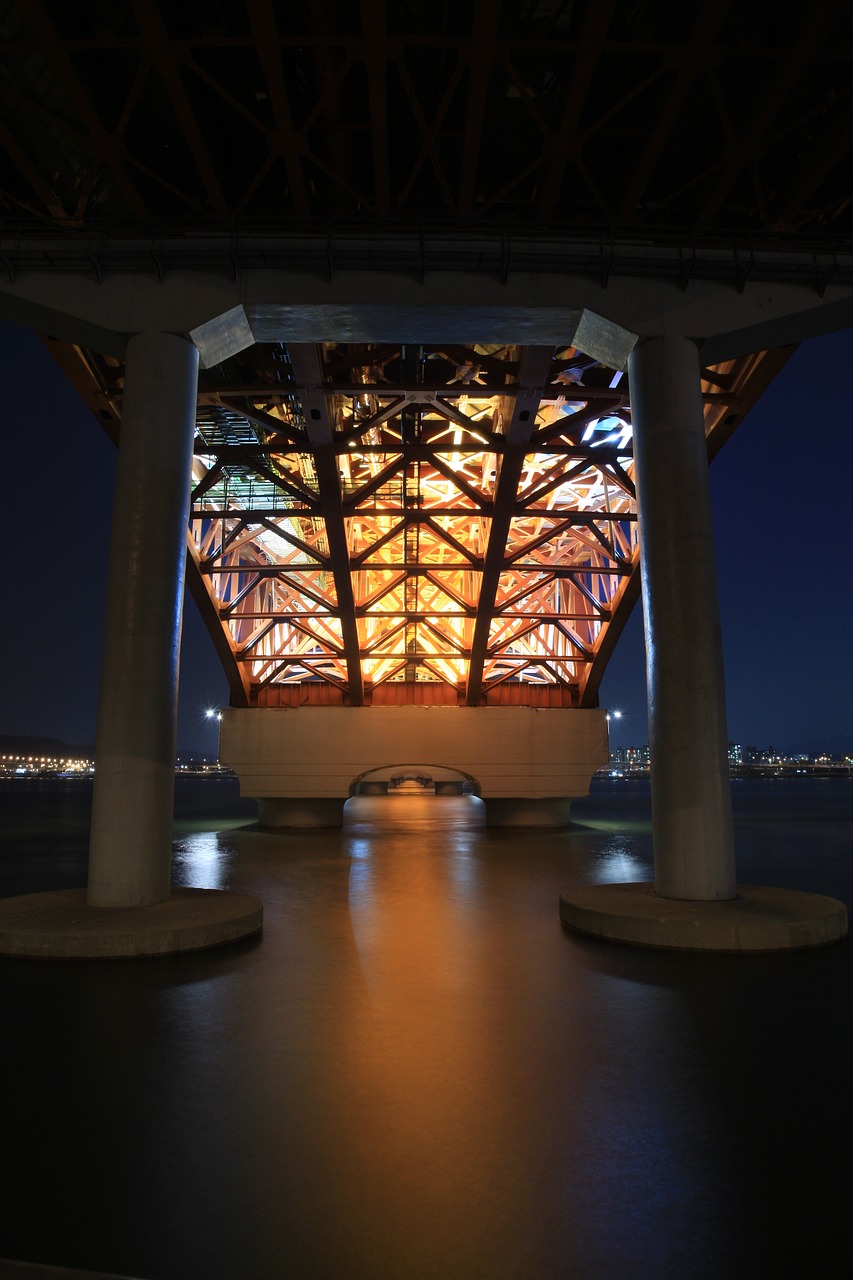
<point x="215" y="772"/>
<point x="611" y="773"/>
<point x="739" y="771"/>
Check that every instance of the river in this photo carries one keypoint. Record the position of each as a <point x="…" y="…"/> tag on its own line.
<point x="417" y="1072"/>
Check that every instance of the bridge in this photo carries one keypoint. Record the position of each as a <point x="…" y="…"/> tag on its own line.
<point x="417" y="339"/>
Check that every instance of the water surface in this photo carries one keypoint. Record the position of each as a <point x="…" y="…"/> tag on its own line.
<point x="416" y="1072"/>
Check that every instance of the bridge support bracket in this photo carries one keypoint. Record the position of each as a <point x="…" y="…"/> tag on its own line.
<point x="759" y="918"/>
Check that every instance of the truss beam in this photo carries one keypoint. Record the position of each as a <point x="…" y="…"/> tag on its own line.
<point x="307" y="368"/>
<point x="522" y="421"/>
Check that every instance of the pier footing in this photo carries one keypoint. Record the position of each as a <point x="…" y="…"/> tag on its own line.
<point x="61" y="924"/>
<point x="758" y="919"/>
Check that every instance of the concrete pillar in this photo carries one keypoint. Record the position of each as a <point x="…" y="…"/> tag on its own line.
<point x="131" y="841"/>
<point x="691" y="799"/>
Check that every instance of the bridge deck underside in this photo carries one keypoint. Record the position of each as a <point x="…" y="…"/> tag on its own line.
<point x="595" y="113"/>
<point x="417" y="524"/>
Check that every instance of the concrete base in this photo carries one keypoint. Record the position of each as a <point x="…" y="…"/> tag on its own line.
<point x="310" y="811"/>
<point x="13" y="1270"/>
<point x="60" y="924"/>
<point x="520" y="812"/>
<point x="758" y="919"/>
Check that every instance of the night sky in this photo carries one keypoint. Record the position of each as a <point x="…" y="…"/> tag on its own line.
<point x="782" y="519"/>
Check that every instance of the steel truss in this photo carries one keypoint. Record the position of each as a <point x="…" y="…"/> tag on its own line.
<point x="463" y="518"/>
<point x="590" y="114"/>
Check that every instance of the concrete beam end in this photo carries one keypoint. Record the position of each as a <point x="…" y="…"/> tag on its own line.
<point x="224" y="336"/>
<point x="605" y="341"/>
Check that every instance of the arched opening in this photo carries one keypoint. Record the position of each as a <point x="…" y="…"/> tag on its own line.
<point x="424" y="778"/>
<point x="415" y="793"/>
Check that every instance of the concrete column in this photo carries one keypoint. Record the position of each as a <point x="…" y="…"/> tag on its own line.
<point x="131" y="843"/>
<point x="691" y="799"/>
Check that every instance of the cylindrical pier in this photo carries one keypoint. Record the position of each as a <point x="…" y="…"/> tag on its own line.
<point x="691" y="801"/>
<point x="131" y="840"/>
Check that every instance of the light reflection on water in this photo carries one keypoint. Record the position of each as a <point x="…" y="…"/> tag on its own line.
<point x="201" y="860"/>
<point x="618" y="865"/>
<point x="417" y="1073"/>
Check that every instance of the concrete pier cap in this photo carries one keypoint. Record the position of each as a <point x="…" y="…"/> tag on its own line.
<point x="525" y="763"/>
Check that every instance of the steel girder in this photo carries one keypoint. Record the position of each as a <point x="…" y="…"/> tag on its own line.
<point x="432" y="523"/>
<point x="458" y="517"/>
<point x="591" y="114"/>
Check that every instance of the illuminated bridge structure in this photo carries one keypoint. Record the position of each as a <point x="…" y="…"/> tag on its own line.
<point x="429" y="524"/>
<point x="417" y="329"/>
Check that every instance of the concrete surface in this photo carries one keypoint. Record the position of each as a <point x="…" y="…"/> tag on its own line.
<point x="760" y="918"/>
<point x="60" y="924"/>
<point x="317" y="752"/>
<point x="12" y="1270"/>
<point x="130" y="853"/>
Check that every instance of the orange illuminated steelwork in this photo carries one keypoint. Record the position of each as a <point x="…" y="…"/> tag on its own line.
<point x="462" y="518"/>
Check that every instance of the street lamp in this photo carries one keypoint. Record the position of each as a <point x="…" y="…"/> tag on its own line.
<point x="611" y="715"/>
<point x="214" y="713"/>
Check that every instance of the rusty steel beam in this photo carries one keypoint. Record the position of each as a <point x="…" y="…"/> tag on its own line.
<point x="161" y="50"/>
<point x="424" y="392"/>
<point x="307" y="368"/>
<point x="293" y="438"/>
<point x="40" y="187"/>
<point x="374" y="27"/>
<point x="811" y="171"/>
<point x="429" y="134"/>
<point x="99" y="141"/>
<point x="199" y="585"/>
<point x="816" y="25"/>
<point x="484" y="34"/>
<point x="691" y="59"/>
<point x="268" y="47"/>
<point x="567" y="571"/>
<point x="532" y="378"/>
<point x="589" y="50"/>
